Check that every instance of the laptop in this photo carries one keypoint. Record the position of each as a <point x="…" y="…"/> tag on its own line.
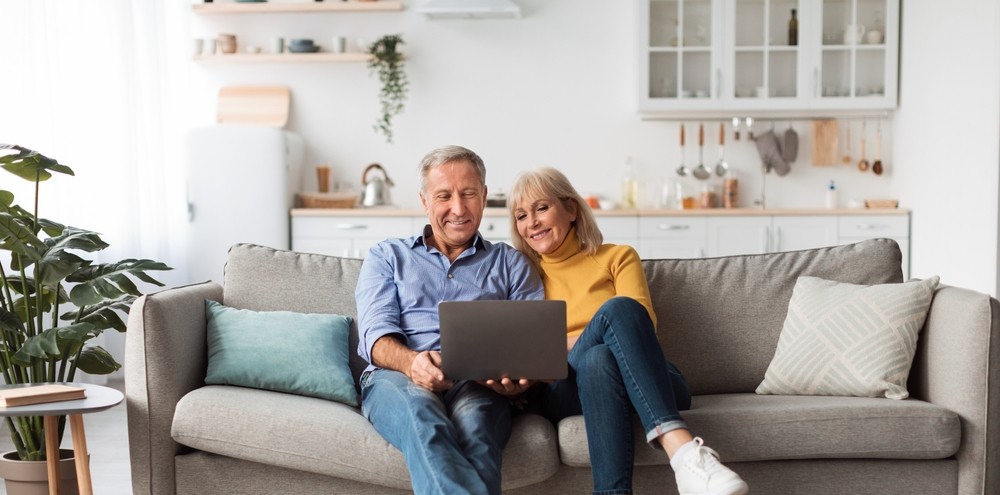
<point x="491" y="339"/>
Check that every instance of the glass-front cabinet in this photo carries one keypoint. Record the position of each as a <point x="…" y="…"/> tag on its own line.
<point x="767" y="55"/>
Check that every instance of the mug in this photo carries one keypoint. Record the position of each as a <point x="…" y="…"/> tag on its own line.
<point x="853" y="34"/>
<point x="339" y="44"/>
<point x="873" y="37"/>
<point x="278" y="45"/>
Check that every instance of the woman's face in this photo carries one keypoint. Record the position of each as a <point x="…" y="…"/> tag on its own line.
<point x="544" y="223"/>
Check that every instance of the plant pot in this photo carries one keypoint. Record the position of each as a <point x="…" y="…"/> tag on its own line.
<point x="31" y="477"/>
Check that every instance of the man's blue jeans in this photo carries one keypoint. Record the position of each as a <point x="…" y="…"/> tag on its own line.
<point x="617" y="368"/>
<point x="451" y="440"/>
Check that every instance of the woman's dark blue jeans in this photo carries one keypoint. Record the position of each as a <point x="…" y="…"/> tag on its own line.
<point x="617" y="368"/>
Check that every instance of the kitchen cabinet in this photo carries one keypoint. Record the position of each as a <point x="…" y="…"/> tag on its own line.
<point x="655" y="234"/>
<point x="349" y="236"/>
<point x="672" y="237"/>
<point x="719" y="57"/>
<point x="768" y="234"/>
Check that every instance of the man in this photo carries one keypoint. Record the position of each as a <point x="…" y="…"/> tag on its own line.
<point x="451" y="433"/>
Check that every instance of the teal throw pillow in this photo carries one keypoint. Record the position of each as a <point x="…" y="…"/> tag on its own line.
<point x="298" y="353"/>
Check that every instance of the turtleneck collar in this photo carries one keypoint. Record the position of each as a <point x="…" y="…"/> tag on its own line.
<point x="569" y="247"/>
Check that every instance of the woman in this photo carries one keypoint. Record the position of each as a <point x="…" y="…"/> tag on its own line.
<point x="610" y="328"/>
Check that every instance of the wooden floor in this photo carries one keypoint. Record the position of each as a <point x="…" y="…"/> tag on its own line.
<point x="107" y="441"/>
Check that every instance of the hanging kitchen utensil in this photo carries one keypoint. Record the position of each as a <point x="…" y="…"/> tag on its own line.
<point x="749" y="121"/>
<point x="825" y="147"/>
<point x="863" y="163"/>
<point x="790" y="150"/>
<point x="877" y="166"/>
<point x="683" y="170"/>
<point x="736" y="128"/>
<point x="770" y="153"/>
<point x="722" y="167"/>
<point x="847" y="155"/>
<point x="701" y="172"/>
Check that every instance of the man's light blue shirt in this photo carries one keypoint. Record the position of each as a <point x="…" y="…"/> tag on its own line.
<point x="403" y="280"/>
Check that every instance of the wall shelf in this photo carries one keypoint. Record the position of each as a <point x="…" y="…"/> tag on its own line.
<point x="273" y="8"/>
<point x="256" y="58"/>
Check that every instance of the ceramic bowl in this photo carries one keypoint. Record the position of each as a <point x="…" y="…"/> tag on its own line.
<point x="303" y="48"/>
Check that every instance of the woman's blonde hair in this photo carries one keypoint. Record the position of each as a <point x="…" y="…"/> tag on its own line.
<point x="550" y="183"/>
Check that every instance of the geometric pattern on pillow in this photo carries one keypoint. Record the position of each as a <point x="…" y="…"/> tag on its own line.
<point x="848" y="340"/>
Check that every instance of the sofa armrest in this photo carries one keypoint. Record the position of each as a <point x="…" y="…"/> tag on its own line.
<point x="957" y="366"/>
<point x="165" y="358"/>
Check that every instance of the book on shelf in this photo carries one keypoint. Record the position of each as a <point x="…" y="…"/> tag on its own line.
<point x="38" y="394"/>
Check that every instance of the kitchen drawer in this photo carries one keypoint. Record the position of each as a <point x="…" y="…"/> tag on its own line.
<point x="495" y="229"/>
<point x="619" y="228"/>
<point x="352" y="227"/>
<point x="672" y="228"/>
<point x="870" y="226"/>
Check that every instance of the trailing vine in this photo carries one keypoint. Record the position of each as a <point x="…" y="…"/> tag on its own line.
<point x="387" y="61"/>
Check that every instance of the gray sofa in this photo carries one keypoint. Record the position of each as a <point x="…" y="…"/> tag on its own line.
<point x="719" y="321"/>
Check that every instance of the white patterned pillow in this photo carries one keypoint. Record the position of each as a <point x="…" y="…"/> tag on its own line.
<point x="850" y="340"/>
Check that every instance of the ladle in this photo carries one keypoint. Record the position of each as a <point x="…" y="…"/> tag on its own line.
<point x="863" y="163"/>
<point x="877" y="166"/>
<point x="683" y="170"/>
<point x="701" y="172"/>
<point x="722" y="167"/>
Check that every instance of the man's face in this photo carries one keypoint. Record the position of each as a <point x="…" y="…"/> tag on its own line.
<point x="454" y="200"/>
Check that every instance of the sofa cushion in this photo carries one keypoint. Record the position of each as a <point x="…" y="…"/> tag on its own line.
<point x="267" y="279"/>
<point x="750" y="427"/>
<point x="284" y="351"/>
<point x="324" y="437"/>
<point x="718" y="319"/>
<point x="847" y="339"/>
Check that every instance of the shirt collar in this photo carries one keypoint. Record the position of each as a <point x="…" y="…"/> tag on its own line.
<point x="420" y="240"/>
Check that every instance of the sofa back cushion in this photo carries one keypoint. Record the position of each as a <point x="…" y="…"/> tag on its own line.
<point x="719" y="318"/>
<point x="266" y="279"/>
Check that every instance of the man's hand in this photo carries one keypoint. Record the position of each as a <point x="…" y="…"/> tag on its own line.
<point x="425" y="371"/>
<point x="507" y="387"/>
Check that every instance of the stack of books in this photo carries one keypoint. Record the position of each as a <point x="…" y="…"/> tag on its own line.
<point x="38" y="394"/>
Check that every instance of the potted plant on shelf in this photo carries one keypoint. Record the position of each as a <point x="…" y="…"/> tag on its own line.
<point x="52" y="300"/>
<point x="387" y="61"/>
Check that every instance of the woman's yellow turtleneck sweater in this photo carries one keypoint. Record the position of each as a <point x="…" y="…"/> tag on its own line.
<point x="587" y="281"/>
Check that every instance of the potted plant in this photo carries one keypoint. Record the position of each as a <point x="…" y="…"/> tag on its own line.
<point x="387" y="61"/>
<point x="52" y="300"/>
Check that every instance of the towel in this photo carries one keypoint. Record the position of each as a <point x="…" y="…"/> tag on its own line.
<point x="770" y="152"/>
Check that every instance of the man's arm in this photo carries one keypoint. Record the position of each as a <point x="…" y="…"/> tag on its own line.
<point x="423" y="368"/>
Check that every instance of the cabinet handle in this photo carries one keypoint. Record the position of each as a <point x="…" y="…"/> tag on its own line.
<point x="871" y="226"/>
<point x="777" y="239"/>
<point x="664" y="226"/>
<point x="766" y="239"/>
<point x="718" y="83"/>
<point x="816" y="92"/>
<point x="351" y="226"/>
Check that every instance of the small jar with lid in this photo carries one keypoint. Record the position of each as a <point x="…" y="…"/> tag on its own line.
<point x="708" y="196"/>
<point x="730" y="190"/>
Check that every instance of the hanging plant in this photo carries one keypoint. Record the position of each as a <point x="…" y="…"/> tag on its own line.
<point x="387" y="61"/>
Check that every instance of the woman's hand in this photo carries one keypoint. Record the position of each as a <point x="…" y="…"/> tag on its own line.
<point x="425" y="371"/>
<point x="507" y="387"/>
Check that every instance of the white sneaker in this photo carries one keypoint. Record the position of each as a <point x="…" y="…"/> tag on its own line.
<point x="701" y="473"/>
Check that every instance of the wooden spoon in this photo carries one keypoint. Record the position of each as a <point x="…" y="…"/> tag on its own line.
<point x="863" y="163"/>
<point x="847" y="155"/>
<point x="877" y="166"/>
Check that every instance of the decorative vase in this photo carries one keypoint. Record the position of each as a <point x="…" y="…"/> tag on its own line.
<point x="31" y="477"/>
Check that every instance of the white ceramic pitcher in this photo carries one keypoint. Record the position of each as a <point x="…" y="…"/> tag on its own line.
<point x="854" y="33"/>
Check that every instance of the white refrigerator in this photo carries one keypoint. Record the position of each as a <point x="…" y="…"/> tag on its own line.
<point x="241" y="183"/>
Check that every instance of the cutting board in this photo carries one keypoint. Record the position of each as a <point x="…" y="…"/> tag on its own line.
<point x="254" y="105"/>
<point x="825" y="142"/>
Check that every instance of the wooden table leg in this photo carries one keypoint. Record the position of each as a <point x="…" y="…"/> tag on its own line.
<point x="51" y="427"/>
<point x="81" y="455"/>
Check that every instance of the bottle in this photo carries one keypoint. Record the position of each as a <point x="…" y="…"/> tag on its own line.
<point x="831" y="195"/>
<point x="793" y="30"/>
<point x="630" y="186"/>
<point x="730" y="190"/>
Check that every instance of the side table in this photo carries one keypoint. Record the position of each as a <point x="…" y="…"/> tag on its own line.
<point x="99" y="398"/>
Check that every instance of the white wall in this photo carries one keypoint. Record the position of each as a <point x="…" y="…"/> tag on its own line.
<point x="948" y="139"/>
<point x="557" y="88"/>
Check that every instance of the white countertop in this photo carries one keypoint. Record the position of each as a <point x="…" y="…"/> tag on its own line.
<point x="722" y="212"/>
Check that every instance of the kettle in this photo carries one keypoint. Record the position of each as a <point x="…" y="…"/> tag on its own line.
<point x="375" y="191"/>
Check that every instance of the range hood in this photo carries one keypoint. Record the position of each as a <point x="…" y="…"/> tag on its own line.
<point x="469" y="9"/>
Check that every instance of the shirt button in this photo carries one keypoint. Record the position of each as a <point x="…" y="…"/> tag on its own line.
<point x="450" y="276"/>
